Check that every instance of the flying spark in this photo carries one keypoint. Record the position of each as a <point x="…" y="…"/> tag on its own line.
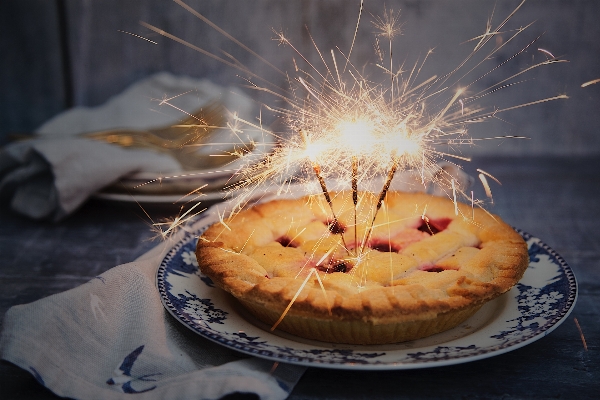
<point x="592" y="82"/>
<point x="137" y="36"/>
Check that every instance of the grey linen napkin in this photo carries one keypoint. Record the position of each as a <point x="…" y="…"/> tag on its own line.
<point x="111" y="337"/>
<point x="51" y="177"/>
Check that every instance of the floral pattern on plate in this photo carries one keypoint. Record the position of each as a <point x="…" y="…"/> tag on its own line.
<point x="530" y="310"/>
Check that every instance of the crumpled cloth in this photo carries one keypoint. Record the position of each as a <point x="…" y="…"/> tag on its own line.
<point x="111" y="337"/>
<point x="52" y="175"/>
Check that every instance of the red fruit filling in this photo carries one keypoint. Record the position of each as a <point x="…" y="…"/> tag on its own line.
<point x="433" y="226"/>
<point x="407" y="237"/>
<point x="383" y="246"/>
<point x="435" y="268"/>
<point x="286" y="241"/>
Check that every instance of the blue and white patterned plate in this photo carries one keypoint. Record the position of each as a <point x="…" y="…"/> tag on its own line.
<point x="540" y="302"/>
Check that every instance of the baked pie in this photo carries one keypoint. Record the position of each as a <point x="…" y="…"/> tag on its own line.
<point x="423" y="265"/>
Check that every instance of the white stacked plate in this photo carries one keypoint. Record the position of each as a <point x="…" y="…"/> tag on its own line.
<point x="187" y="185"/>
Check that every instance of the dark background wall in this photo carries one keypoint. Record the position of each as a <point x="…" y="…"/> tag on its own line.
<point x="63" y="53"/>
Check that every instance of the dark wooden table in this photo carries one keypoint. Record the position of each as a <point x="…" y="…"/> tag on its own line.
<point x="555" y="199"/>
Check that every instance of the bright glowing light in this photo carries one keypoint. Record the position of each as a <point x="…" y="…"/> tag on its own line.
<point x="401" y="143"/>
<point x="315" y="151"/>
<point x="312" y="149"/>
<point x="357" y="135"/>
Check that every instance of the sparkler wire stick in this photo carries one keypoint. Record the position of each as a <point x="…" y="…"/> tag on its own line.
<point x="317" y="170"/>
<point x="355" y="195"/>
<point x="382" y="195"/>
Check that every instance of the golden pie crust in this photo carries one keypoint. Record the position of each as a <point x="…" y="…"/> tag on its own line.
<point x="427" y="266"/>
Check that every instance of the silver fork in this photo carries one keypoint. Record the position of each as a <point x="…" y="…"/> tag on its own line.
<point x="180" y="140"/>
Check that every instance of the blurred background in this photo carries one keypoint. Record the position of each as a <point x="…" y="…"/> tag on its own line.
<point x="64" y="53"/>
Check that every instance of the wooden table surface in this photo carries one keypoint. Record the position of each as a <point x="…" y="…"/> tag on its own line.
<point x="555" y="199"/>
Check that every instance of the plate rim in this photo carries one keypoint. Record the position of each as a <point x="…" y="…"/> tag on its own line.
<point x="162" y="198"/>
<point x="487" y="352"/>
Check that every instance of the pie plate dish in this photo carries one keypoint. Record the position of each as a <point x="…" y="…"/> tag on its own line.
<point x="163" y="198"/>
<point x="537" y="305"/>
